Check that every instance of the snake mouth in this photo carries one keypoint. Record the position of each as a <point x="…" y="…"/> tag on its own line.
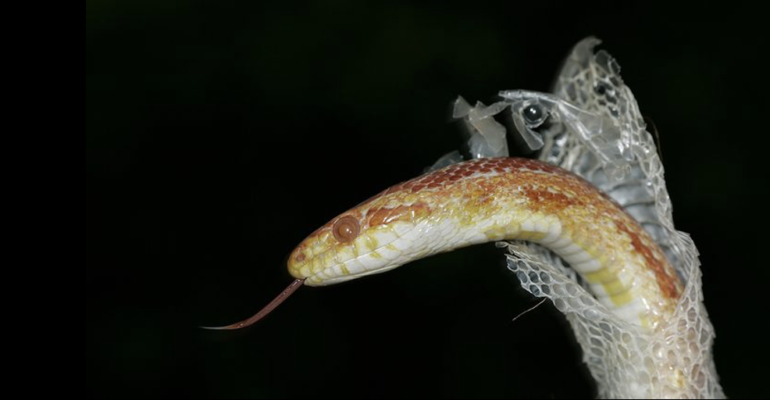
<point x="323" y="279"/>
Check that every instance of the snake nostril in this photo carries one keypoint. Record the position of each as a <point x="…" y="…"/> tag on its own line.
<point x="300" y="257"/>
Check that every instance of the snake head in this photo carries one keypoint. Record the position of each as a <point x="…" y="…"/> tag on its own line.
<point x="373" y="237"/>
<point x="378" y="235"/>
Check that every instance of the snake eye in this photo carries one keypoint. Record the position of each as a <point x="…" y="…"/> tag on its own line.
<point x="345" y="229"/>
<point x="533" y="115"/>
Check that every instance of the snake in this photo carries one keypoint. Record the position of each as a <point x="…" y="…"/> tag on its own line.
<point x="487" y="200"/>
<point x="594" y="199"/>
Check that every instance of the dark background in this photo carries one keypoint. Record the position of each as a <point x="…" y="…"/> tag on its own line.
<point x="217" y="138"/>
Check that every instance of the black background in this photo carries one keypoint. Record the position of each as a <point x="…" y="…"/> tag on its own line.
<point x="217" y="138"/>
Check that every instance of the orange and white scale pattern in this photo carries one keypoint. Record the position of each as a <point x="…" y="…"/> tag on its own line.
<point x="496" y="199"/>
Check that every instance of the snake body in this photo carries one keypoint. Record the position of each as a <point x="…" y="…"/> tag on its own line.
<point x="496" y="199"/>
